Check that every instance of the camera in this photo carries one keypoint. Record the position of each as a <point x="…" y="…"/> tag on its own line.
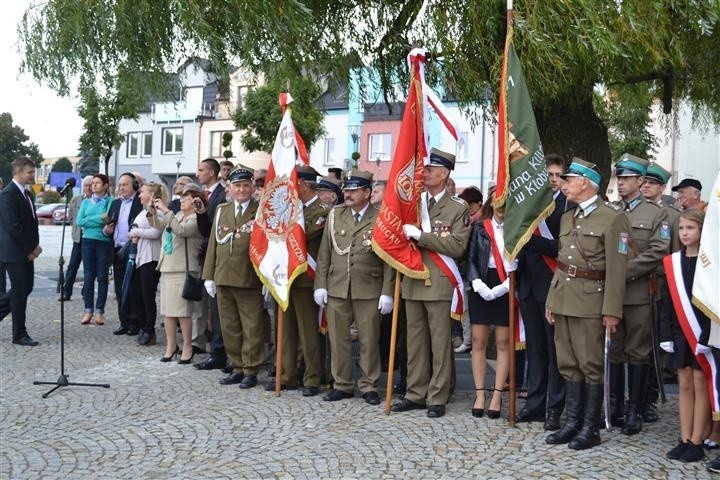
<point x="198" y="203"/>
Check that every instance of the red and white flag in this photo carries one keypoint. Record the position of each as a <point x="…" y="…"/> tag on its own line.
<point x="277" y="243"/>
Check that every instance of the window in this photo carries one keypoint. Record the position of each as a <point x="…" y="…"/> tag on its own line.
<point x="242" y="92"/>
<point x="146" y="144"/>
<point x="172" y="141"/>
<point x="216" y="146"/>
<point x="380" y="145"/>
<point x="461" y="151"/>
<point x="329" y="154"/>
<point x="133" y="143"/>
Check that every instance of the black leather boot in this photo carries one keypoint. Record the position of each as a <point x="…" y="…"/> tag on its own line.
<point x="589" y="434"/>
<point x="636" y="402"/>
<point x="573" y="414"/>
<point x="652" y="393"/>
<point x="617" y="394"/>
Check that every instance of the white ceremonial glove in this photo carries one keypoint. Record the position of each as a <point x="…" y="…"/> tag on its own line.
<point x="320" y="296"/>
<point x="385" y="304"/>
<point x="210" y="288"/>
<point x="411" y="231"/>
<point x="267" y="296"/>
<point x="669" y="347"/>
<point x="482" y="289"/>
<point x="502" y="289"/>
<point x="701" y="349"/>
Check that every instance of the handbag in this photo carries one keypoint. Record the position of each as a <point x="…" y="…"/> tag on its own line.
<point x="193" y="286"/>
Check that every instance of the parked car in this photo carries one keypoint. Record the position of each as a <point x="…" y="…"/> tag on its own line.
<point x="46" y="211"/>
<point x="60" y="216"/>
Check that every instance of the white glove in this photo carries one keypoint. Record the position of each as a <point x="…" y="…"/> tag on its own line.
<point x="320" y="296"/>
<point x="502" y="289"/>
<point x="210" y="288"/>
<point x="482" y="289"/>
<point x="669" y="347"/>
<point x="385" y="304"/>
<point x="267" y="296"/>
<point x="701" y="349"/>
<point x="411" y="231"/>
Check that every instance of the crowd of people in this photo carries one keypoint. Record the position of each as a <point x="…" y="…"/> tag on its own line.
<point x="594" y="269"/>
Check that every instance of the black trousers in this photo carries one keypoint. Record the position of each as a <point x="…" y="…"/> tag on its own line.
<point x="127" y="313"/>
<point x="22" y="276"/>
<point x="148" y="278"/>
<point x="72" y="269"/>
<point x="545" y="385"/>
<point x="217" y="347"/>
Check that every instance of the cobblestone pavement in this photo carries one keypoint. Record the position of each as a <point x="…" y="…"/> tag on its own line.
<point x="164" y="420"/>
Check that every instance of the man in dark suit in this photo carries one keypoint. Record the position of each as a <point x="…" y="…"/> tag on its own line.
<point x="122" y="214"/>
<point x="20" y="246"/>
<point x="208" y="174"/>
<point x="545" y="386"/>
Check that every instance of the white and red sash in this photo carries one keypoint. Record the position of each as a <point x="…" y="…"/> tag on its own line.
<point x="543" y="231"/>
<point x="691" y="326"/>
<point x="502" y="273"/>
<point x="447" y="266"/>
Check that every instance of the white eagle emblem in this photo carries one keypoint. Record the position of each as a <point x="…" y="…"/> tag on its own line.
<point x="280" y="207"/>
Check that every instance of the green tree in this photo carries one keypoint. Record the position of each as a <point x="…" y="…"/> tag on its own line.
<point x="567" y="47"/>
<point x="63" y="164"/>
<point x="261" y="114"/>
<point x="13" y="143"/>
<point x="88" y="163"/>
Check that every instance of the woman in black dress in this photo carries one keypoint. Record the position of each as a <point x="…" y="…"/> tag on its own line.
<point x="487" y="272"/>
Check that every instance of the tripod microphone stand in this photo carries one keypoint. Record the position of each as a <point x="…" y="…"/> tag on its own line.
<point x="62" y="380"/>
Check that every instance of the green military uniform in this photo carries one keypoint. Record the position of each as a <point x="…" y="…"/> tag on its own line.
<point x="301" y="317"/>
<point x="428" y="304"/>
<point x="239" y="290"/>
<point x="354" y="278"/>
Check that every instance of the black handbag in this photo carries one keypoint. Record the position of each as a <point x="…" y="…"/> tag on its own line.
<point x="193" y="286"/>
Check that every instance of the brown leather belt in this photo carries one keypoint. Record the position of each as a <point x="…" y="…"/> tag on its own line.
<point x="575" y="272"/>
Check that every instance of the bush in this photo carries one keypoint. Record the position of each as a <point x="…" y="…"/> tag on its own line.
<point x="50" y="196"/>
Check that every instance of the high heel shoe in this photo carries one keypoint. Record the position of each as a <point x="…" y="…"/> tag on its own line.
<point x="187" y="360"/>
<point x="167" y="359"/>
<point x="479" y="412"/>
<point x="87" y="318"/>
<point x="495" y="413"/>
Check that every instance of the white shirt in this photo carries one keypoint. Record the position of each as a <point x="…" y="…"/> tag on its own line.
<point x="436" y="197"/>
<point x="243" y="205"/>
<point x="361" y="212"/>
<point x="587" y="203"/>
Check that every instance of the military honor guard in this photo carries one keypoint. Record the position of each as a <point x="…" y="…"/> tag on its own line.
<point x="301" y="316"/>
<point x="649" y="242"/>
<point x="361" y="296"/>
<point x="586" y="300"/>
<point x="229" y="273"/>
<point x="429" y="304"/>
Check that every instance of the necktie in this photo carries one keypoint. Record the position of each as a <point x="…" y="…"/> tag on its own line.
<point x="29" y="200"/>
<point x="239" y="211"/>
<point x="357" y="217"/>
<point x="207" y="194"/>
<point x="578" y="212"/>
<point x="431" y="203"/>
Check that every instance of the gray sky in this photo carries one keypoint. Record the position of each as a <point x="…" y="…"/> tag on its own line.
<point x="50" y="121"/>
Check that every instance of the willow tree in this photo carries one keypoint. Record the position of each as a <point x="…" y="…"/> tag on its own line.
<point x="567" y="47"/>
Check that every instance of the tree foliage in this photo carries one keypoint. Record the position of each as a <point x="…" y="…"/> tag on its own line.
<point x="88" y="163"/>
<point x="14" y="143"/>
<point x="62" y="164"/>
<point x="670" y="47"/>
<point x="261" y="114"/>
<point x="626" y="109"/>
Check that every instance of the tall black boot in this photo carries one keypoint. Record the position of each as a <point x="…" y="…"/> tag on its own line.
<point x="617" y="394"/>
<point x="573" y="414"/>
<point x="636" y="402"/>
<point x="589" y="434"/>
<point x="652" y="393"/>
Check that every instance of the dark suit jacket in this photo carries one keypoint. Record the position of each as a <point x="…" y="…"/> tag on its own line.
<point x="205" y="221"/>
<point x="18" y="226"/>
<point x="135" y="209"/>
<point x="533" y="274"/>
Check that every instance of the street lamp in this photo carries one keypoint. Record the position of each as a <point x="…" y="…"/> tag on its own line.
<point x="178" y="163"/>
<point x="377" y="163"/>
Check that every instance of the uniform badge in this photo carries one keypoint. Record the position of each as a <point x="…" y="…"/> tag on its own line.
<point x="445" y="231"/>
<point x="320" y="221"/>
<point x="623" y="244"/>
<point x="367" y="239"/>
<point x="466" y="219"/>
<point x="246" y="227"/>
<point x="437" y="227"/>
<point x="224" y="228"/>
<point x="665" y="232"/>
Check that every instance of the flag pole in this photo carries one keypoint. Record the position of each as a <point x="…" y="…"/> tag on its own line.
<point x="278" y="351"/>
<point x="393" y="341"/>
<point x="511" y="304"/>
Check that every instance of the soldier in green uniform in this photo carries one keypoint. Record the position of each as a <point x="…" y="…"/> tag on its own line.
<point x="301" y="317"/>
<point x="229" y="272"/>
<point x="346" y="247"/>
<point x="652" y="189"/>
<point x="443" y="238"/>
<point x="649" y="243"/>
<point x="585" y="299"/>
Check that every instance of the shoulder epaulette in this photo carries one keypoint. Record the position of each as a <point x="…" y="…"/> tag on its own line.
<point x="612" y="206"/>
<point x="459" y="200"/>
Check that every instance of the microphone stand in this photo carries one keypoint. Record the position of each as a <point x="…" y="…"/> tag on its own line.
<point x="62" y="380"/>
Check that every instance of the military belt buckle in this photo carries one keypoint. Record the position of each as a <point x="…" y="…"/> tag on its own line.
<point x="572" y="271"/>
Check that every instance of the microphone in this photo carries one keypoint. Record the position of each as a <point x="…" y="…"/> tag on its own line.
<point x="69" y="185"/>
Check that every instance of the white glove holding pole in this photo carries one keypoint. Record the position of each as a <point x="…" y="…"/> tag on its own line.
<point x="482" y="289"/>
<point x="210" y="288"/>
<point x="701" y="349"/>
<point x="385" y="304"/>
<point x="320" y="296"/>
<point x="669" y="347"/>
<point x="411" y="232"/>
<point x="502" y="289"/>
